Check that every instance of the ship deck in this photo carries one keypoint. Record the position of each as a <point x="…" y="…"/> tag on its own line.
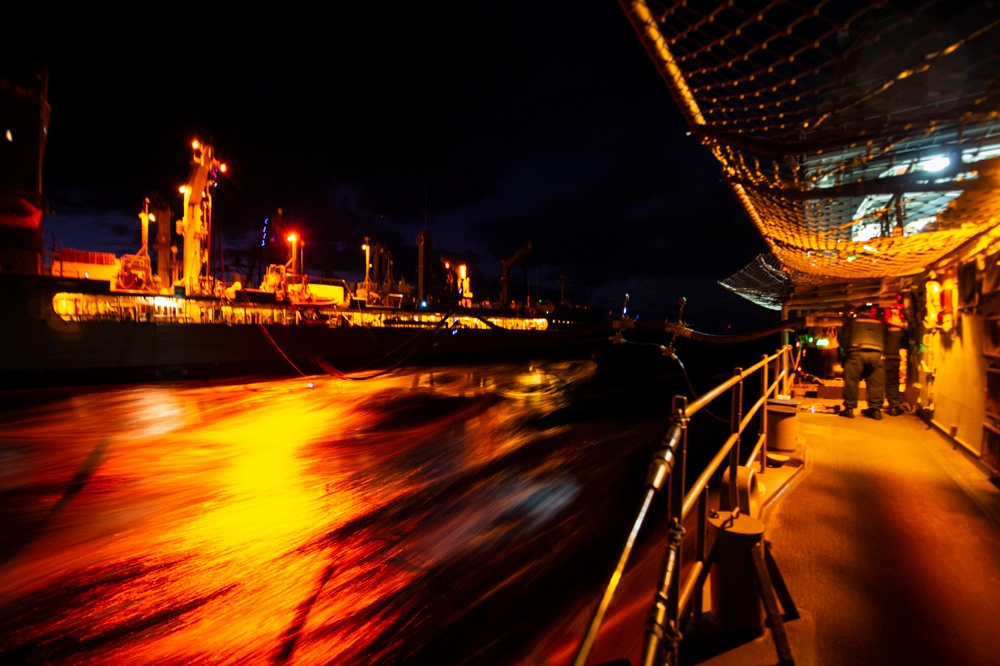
<point x="887" y="537"/>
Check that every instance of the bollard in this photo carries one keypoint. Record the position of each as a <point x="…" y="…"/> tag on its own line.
<point x="736" y="596"/>
<point x="782" y="427"/>
<point x="747" y="491"/>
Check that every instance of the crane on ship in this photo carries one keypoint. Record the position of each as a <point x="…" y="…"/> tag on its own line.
<point x="136" y="272"/>
<point x="136" y="269"/>
<point x="195" y="227"/>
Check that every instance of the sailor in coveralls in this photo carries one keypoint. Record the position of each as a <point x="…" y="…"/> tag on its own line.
<point x="895" y="340"/>
<point x="862" y="340"/>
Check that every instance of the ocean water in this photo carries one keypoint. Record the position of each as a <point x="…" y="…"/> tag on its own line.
<point x="439" y="515"/>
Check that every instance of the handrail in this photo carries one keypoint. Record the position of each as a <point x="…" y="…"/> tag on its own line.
<point x="703" y="401"/>
<point x="677" y="589"/>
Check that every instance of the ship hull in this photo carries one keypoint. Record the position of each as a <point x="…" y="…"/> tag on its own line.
<point x="42" y="349"/>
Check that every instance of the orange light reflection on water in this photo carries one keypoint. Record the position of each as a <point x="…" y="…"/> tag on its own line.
<point x="208" y="524"/>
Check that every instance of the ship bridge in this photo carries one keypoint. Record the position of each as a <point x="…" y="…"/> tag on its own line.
<point x="862" y="138"/>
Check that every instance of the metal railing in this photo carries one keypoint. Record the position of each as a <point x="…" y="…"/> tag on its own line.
<point x="679" y="592"/>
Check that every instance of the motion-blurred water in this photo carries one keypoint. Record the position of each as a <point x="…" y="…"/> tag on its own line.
<point x="441" y="516"/>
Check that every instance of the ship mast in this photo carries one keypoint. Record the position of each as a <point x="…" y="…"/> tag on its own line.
<point x="508" y="263"/>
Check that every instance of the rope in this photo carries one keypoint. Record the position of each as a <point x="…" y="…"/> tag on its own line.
<point x="331" y="370"/>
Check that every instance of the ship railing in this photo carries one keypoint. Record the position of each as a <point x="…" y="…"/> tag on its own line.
<point x="718" y="487"/>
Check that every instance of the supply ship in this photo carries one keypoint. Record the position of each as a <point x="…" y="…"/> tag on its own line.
<point x="77" y="317"/>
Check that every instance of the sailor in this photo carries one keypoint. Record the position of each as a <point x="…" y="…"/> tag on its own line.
<point x="895" y="340"/>
<point x="862" y="340"/>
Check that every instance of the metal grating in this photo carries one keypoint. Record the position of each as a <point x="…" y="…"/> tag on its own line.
<point x="863" y="138"/>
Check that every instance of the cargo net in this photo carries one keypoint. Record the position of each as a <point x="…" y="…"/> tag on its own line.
<point x="862" y="137"/>
<point x="762" y="281"/>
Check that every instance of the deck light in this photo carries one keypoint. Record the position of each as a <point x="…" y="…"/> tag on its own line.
<point x="936" y="163"/>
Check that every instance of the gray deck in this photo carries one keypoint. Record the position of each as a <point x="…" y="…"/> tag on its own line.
<point x="888" y="539"/>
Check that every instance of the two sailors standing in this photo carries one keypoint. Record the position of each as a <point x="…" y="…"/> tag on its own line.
<point x="871" y="343"/>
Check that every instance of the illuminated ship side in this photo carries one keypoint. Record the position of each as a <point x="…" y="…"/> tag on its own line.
<point x="81" y="317"/>
<point x="70" y="331"/>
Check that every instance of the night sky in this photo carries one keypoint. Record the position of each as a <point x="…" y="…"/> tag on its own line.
<point x="489" y="124"/>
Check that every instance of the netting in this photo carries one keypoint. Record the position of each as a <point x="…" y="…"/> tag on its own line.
<point x="762" y="281"/>
<point x="863" y="138"/>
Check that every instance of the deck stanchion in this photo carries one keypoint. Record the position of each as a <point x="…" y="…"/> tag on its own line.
<point x="762" y="436"/>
